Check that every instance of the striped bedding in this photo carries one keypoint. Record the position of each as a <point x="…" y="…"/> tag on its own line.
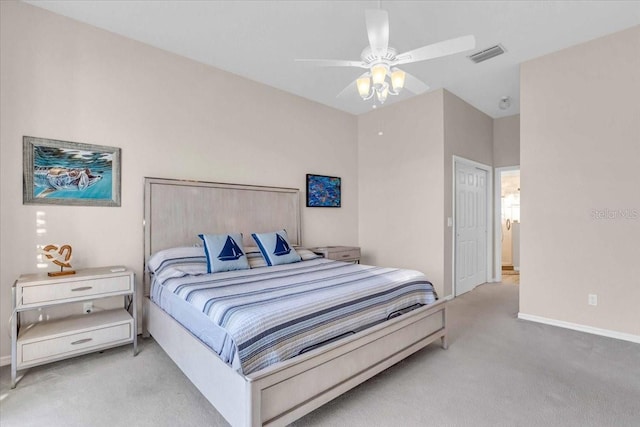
<point x="257" y="317"/>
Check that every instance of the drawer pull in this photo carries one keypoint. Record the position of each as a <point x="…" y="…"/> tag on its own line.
<point x="82" y="288"/>
<point x="345" y="256"/>
<point x="82" y="341"/>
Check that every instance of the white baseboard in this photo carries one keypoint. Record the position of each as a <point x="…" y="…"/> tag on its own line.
<point x="5" y="360"/>
<point x="448" y="297"/>
<point x="581" y="328"/>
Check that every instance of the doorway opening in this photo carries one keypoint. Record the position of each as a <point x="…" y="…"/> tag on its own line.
<point x="507" y="236"/>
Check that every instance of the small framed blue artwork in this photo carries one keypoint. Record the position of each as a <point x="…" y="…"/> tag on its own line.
<point x="70" y="173"/>
<point x="323" y="191"/>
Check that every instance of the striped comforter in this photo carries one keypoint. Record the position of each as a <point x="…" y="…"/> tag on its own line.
<point x="261" y="316"/>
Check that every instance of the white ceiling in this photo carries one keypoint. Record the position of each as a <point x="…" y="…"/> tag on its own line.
<point x="260" y="39"/>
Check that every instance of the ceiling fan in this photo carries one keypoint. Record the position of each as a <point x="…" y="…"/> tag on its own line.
<point x="381" y="61"/>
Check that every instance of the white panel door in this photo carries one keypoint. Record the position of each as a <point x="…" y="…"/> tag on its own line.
<point x="471" y="227"/>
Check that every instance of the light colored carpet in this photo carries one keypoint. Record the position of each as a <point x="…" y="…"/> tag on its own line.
<point x="498" y="371"/>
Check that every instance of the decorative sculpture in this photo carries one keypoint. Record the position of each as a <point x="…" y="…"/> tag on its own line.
<point x="60" y="256"/>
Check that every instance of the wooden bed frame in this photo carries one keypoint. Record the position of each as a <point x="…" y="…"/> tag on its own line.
<point x="175" y="212"/>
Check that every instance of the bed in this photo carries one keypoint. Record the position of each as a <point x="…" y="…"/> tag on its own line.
<point x="247" y="391"/>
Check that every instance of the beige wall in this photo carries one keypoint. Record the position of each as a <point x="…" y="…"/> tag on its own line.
<point x="401" y="184"/>
<point x="171" y="117"/>
<point x="468" y="133"/>
<point x="580" y="153"/>
<point x="406" y="179"/>
<point x="506" y="141"/>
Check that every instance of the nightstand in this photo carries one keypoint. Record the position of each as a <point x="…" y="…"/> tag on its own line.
<point x="339" y="253"/>
<point x="48" y="341"/>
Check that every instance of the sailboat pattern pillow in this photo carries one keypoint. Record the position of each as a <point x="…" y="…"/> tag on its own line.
<point x="275" y="247"/>
<point x="224" y="252"/>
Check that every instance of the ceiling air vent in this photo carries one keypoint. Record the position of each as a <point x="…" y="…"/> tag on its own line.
<point x="488" y="53"/>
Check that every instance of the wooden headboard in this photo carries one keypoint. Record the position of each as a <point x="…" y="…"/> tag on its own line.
<point x="176" y="211"/>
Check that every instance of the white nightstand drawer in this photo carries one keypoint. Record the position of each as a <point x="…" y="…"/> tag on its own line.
<point x="347" y="255"/>
<point x="76" y="289"/>
<point x="39" y="345"/>
<point x="339" y="253"/>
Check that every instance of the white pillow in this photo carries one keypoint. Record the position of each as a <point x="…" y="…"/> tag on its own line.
<point x="182" y="256"/>
<point x="306" y="254"/>
<point x="256" y="260"/>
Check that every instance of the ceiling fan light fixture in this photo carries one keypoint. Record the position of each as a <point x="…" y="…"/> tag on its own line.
<point x="397" y="79"/>
<point x="383" y="93"/>
<point x="381" y="77"/>
<point x="378" y="74"/>
<point x="364" y="86"/>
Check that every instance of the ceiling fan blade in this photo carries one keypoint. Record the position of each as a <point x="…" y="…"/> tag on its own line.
<point x="413" y="84"/>
<point x="378" y="30"/>
<point x="437" y="50"/>
<point x="348" y="92"/>
<point x="333" y="63"/>
<point x="352" y="89"/>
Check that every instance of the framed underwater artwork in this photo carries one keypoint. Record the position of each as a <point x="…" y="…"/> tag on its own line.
<point x="323" y="191"/>
<point x="70" y="173"/>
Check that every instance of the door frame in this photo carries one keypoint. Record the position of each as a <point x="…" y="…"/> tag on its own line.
<point x="497" y="195"/>
<point x="489" y="205"/>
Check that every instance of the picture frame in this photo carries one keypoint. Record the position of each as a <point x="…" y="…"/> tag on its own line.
<point x="70" y="173"/>
<point x="323" y="191"/>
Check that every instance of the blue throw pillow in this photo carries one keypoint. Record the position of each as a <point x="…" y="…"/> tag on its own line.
<point x="275" y="247"/>
<point x="224" y="252"/>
